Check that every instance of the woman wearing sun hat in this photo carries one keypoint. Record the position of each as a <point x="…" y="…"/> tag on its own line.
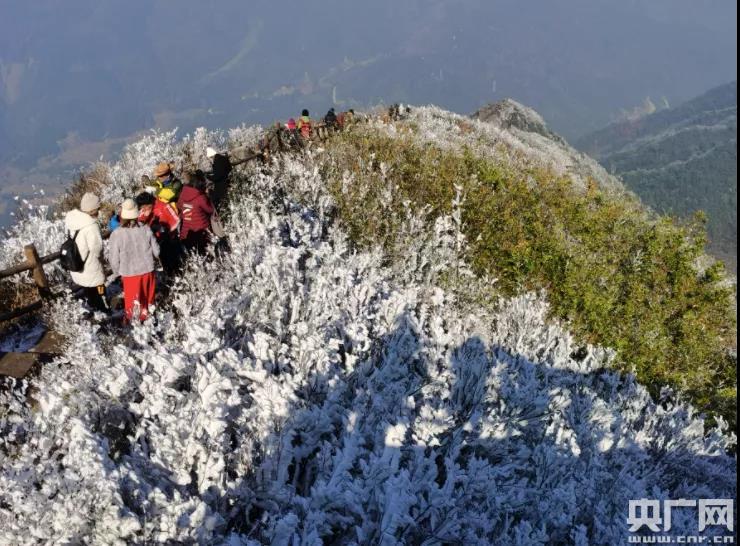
<point x="132" y="252"/>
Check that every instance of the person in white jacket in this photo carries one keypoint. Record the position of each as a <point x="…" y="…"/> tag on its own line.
<point x="83" y="223"/>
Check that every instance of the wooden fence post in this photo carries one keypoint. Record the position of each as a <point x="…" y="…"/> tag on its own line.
<point x="39" y="277"/>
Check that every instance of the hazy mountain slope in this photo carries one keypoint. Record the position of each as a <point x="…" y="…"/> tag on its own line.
<point x="681" y="160"/>
<point x="106" y="69"/>
<point x="101" y="72"/>
<point x="311" y="392"/>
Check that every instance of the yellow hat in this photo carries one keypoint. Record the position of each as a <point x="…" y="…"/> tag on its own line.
<point x="166" y="195"/>
<point x="162" y="169"/>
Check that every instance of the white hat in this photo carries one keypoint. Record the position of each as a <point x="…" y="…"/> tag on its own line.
<point x="210" y="152"/>
<point x="129" y="210"/>
<point x="89" y="202"/>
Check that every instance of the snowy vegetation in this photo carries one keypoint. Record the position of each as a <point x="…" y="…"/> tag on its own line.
<point x="305" y="390"/>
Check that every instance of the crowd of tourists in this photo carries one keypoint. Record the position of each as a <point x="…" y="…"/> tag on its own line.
<point x="305" y="129"/>
<point x="156" y="229"/>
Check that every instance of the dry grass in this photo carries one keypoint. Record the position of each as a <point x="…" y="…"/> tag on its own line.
<point x="92" y="181"/>
<point x="16" y="295"/>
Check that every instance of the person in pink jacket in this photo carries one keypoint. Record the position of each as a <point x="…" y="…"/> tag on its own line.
<point x="196" y="209"/>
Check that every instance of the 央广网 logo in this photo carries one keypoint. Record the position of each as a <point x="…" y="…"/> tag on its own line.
<point x="712" y="512"/>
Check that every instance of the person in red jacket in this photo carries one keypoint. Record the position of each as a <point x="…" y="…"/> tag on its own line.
<point x="162" y="217"/>
<point x="196" y="210"/>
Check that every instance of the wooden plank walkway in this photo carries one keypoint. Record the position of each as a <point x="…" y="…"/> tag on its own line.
<point x="19" y="364"/>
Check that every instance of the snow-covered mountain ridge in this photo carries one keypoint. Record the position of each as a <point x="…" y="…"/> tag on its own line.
<point x="299" y="391"/>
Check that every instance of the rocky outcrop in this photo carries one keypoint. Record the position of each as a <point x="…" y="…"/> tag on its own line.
<point x="526" y="126"/>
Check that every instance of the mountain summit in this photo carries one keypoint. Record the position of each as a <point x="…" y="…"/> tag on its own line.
<point x="508" y="113"/>
<point x="529" y="128"/>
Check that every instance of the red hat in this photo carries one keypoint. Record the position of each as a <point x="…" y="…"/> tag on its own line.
<point x="291" y="124"/>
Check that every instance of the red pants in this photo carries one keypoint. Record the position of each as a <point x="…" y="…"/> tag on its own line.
<point x="138" y="290"/>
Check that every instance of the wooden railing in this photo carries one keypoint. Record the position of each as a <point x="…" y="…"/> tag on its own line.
<point x="35" y="264"/>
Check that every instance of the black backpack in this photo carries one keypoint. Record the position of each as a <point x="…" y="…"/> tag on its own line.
<point x="70" y="258"/>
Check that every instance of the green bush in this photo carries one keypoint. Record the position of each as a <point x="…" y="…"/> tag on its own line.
<point x="618" y="277"/>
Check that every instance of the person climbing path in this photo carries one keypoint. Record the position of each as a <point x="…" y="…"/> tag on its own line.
<point x="197" y="210"/>
<point x="163" y="219"/>
<point x="167" y="217"/>
<point x="165" y="178"/>
<point x="132" y="252"/>
<point x="218" y="177"/>
<point x="82" y="225"/>
<point x="331" y="121"/>
<point x="304" y="125"/>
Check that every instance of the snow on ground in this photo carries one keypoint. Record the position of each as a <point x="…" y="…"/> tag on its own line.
<point x="296" y="391"/>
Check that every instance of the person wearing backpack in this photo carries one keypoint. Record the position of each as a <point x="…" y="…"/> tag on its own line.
<point x="218" y="176"/>
<point x="132" y="252"/>
<point x="83" y="258"/>
<point x="330" y="119"/>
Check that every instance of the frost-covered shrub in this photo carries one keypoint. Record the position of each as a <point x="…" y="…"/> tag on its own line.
<point x="140" y="158"/>
<point x="300" y="391"/>
<point x="38" y="228"/>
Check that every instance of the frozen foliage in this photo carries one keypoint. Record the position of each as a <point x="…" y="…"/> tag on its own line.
<point x="511" y="130"/>
<point x="38" y="228"/>
<point x="298" y="392"/>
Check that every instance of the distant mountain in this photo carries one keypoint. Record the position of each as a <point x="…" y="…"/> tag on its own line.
<point x="681" y="160"/>
<point x="83" y="76"/>
<point x="109" y="69"/>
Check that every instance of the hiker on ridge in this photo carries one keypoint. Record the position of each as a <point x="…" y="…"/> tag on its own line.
<point x="330" y="119"/>
<point x="197" y="211"/>
<point x="344" y="119"/>
<point x="219" y="176"/>
<point x="165" y="178"/>
<point x="132" y="251"/>
<point x="82" y="225"/>
<point x="158" y="212"/>
<point x="304" y="125"/>
<point x="115" y="219"/>
<point x="288" y="135"/>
